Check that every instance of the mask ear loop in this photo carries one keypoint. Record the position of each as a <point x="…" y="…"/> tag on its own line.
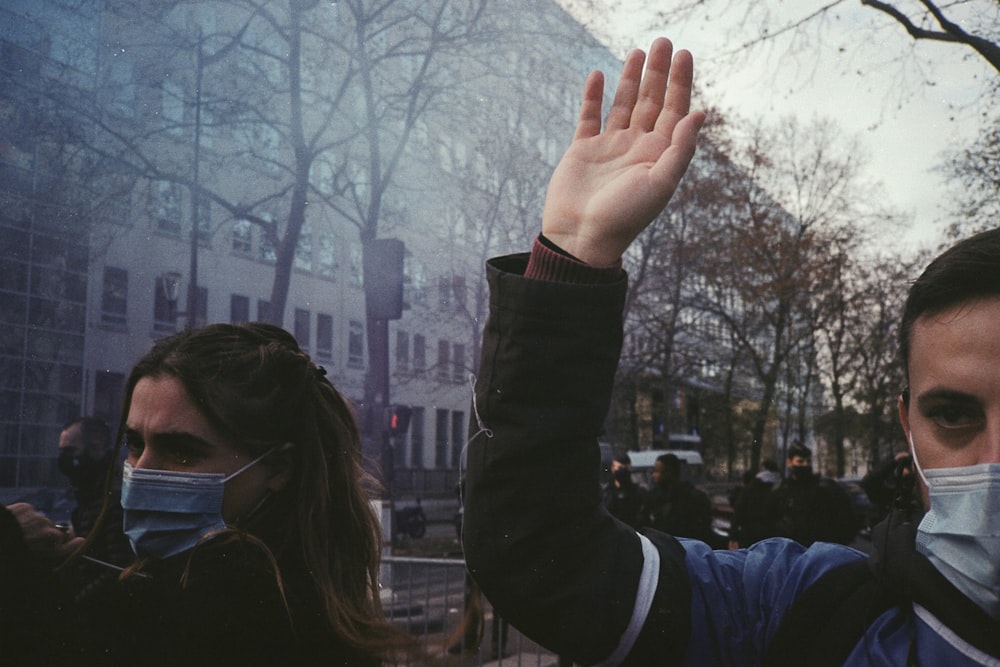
<point x="916" y="463"/>
<point x="911" y="657"/>
<point x="252" y="463"/>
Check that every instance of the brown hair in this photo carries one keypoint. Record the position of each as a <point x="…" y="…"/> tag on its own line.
<point x="253" y="383"/>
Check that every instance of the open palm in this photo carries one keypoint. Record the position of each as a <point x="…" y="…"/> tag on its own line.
<point x="610" y="185"/>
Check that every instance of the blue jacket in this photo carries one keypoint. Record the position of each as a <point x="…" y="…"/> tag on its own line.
<point x="583" y="584"/>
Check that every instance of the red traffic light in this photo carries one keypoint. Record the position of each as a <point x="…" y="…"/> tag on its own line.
<point x="397" y="419"/>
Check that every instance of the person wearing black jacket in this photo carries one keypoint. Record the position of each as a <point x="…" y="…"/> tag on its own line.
<point x="808" y="507"/>
<point x="246" y="505"/>
<point x="585" y="585"/>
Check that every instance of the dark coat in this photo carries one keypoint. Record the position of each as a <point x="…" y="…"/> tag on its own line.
<point x="679" y="509"/>
<point x="812" y="509"/>
<point x="564" y="572"/>
<point x="229" y="610"/>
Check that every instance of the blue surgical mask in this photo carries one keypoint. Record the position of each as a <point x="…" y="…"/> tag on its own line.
<point x="960" y="534"/>
<point x="166" y="513"/>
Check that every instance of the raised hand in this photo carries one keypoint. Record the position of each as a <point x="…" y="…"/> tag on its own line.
<point x="610" y="185"/>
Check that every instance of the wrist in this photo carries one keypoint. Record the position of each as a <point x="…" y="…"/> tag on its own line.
<point x="549" y="261"/>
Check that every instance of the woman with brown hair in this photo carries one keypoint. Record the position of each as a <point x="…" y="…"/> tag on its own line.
<point x="245" y="502"/>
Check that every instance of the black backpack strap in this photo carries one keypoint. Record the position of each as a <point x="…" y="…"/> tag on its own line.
<point x="829" y="618"/>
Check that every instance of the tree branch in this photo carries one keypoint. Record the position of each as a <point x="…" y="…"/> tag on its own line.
<point x="950" y="32"/>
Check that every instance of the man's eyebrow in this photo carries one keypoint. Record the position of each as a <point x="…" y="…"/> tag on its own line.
<point x="944" y="394"/>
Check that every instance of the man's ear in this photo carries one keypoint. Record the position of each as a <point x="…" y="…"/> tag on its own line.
<point x="281" y="464"/>
<point x="902" y="406"/>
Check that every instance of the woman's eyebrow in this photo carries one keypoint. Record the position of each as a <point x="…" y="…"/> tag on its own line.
<point x="180" y="439"/>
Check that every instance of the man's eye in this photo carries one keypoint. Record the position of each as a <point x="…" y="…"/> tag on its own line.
<point x="953" y="416"/>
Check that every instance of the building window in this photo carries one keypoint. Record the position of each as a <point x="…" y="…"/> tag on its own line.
<point x="268" y="253"/>
<point x="442" y="438"/>
<point x="303" y="249"/>
<point x="417" y="438"/>
<point x="357" y="265"/>
<point x="114" y="296"/>
<point x="444" y="292"/>
<point x="303" y="323"/>
<point x="166" y="207"/>
<point x="122" y="85"/>
<point x="324" y="336"/>
<point x="172" y="107"/>
<point x="108" y="390"/>
<point x="243" y="237"/>
<point x="419" y="353"/>
<point x="239" y="308"/>
<point x="458" y="288"/>
<point x="457" y="436"/>
<point x="442" y="361"/>
<point x="263" y="310"/>
<point x="458" y="362"/>
<point x="402" y="352"/>
<point x="204" y="220"/>
<point x="356" y="343"/>
<point x="326" y="255"/>
<point x="164" y="310"/>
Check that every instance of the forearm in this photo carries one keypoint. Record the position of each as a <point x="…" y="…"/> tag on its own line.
<point x="535" y="536"/>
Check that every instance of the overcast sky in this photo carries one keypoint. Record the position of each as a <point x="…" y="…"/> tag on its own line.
<point x="904" y="123"/>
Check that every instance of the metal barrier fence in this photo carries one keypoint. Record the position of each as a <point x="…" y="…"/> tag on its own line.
<point x="434" y="599"/>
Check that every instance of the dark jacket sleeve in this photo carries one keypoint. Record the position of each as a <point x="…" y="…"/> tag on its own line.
<point x="536" y="537"/>
<point x="31" y="606"/>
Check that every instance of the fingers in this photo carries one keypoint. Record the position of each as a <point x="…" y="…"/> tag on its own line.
<point x="589" y="122"/>
<point x="66" y="549"/>
<point x="657" y="99"/>
<point x="671" y="165"/>
<point x="627" y="92"/>
<point x="654" y="85"/>
<point x="41" y="536"/>
<point x="678" y="96"/>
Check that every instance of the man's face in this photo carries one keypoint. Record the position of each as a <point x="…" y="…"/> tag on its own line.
<point x="72" y="440"/>
<point x="616" y="466"/>
<point x="659" y="473"/>
<point x="953" y="415"/>
<point x="799" y="462"/>
<point x="799" y="466"/>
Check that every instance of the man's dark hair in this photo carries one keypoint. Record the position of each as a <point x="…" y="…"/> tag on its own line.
<point x="798" y="449"/>
<point x="671" y="463"/>
<point x="968" y="270"/>
<point x="624" y="459"/>
<point x="769" y="464"/>
<point x="95" y="432"/>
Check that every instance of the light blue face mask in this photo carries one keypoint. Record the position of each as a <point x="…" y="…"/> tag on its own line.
<point x="166" y="513"/>
<point x="960" y="534"/>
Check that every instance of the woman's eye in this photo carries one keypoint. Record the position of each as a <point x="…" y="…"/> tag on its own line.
<point x="133" y="444"/>
<point x="183" y="457"/>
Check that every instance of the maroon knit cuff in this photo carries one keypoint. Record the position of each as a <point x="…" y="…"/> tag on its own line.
<point x="550" y="262"/>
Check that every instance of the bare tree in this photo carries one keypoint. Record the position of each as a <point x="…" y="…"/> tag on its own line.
<point x="972" y="24"/>
<point x="975" y="173"/>
<point x="879" y="377"/>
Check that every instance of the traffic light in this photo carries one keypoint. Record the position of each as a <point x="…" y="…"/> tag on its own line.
<point x="397" y="419"/>
<point x="382" y="263"/>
